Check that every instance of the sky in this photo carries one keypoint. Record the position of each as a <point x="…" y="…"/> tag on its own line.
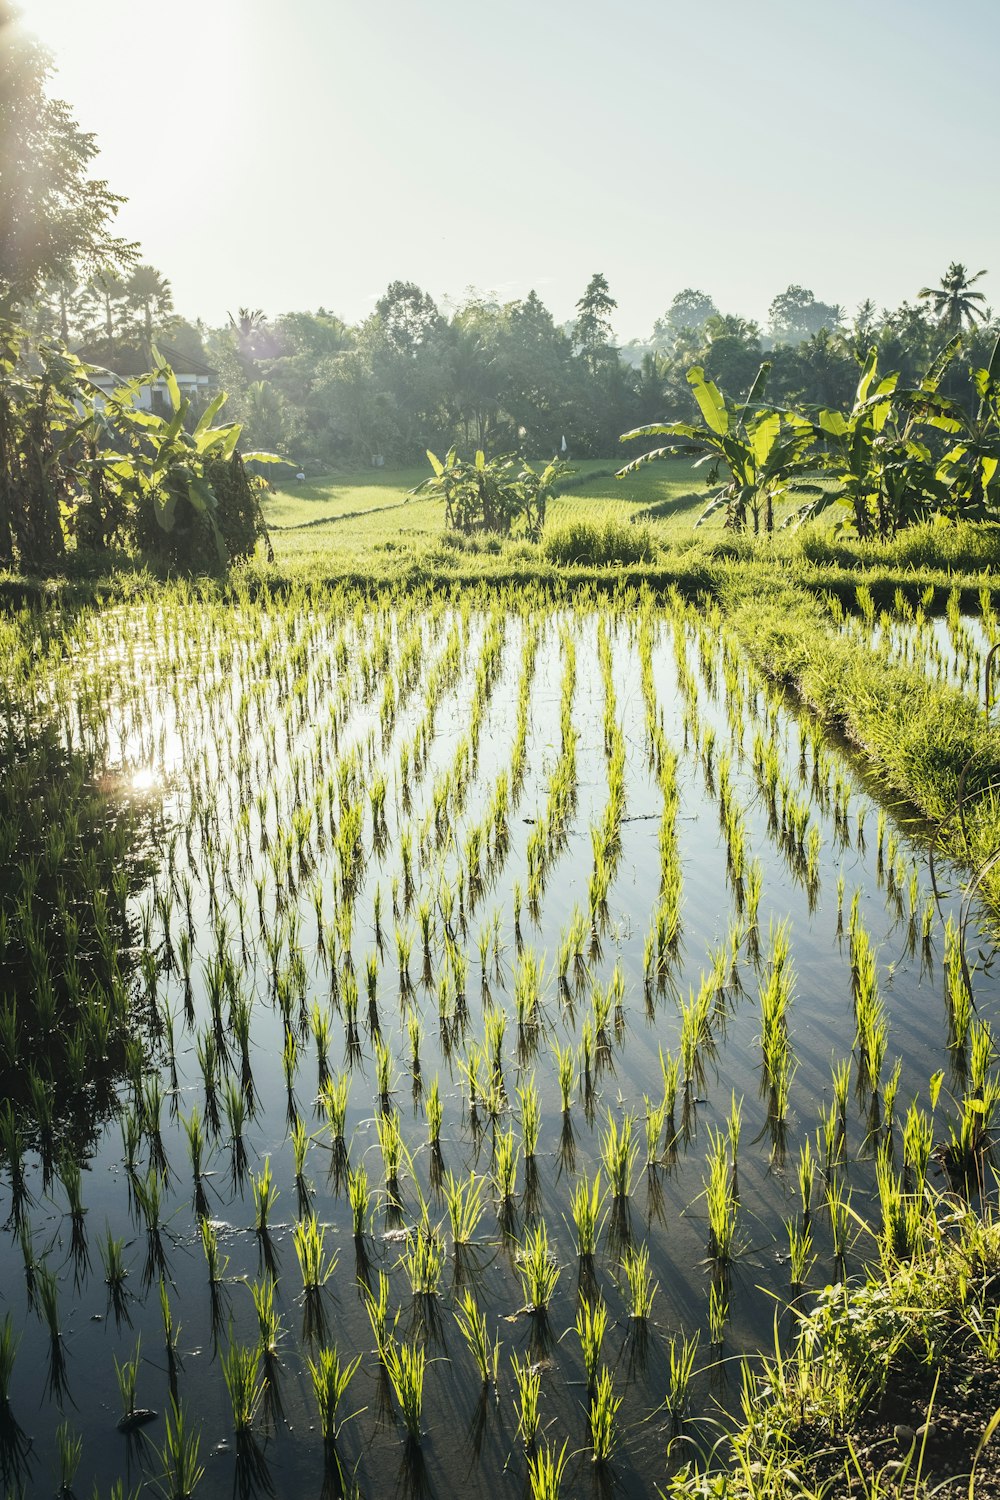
<point x="304" y="154"/>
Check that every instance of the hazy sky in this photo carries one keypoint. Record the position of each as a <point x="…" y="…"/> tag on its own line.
<point x="308" y="152"/>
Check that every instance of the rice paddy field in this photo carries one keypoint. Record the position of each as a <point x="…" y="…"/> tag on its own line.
<point x="441" y="1033"/>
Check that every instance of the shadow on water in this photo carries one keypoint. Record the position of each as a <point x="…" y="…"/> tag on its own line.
<point x="75" y="849"/>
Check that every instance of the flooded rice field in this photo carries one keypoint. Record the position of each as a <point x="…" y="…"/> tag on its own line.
<point x="435" y="1032"/>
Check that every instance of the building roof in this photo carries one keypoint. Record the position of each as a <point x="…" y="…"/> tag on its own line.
<point x="126" y="363"/>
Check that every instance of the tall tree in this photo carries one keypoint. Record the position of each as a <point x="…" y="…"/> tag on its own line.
<point x="593" y="327"/>
<point x="690" y="309"/>
<point x="149" y="294"/>
<point x="104" y="299"/>
<point x="795" y="314"/>
<point x="55" y="219"/>
<point x="953" y="302"/>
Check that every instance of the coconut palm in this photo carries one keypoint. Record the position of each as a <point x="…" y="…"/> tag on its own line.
<point x="150" y="294"/>
<point x="953" y="302"/>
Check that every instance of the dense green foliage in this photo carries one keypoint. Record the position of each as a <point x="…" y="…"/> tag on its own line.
<point x="100" y="473"/>
<point x="498" y="495"/>
<point x="898" y="456"/>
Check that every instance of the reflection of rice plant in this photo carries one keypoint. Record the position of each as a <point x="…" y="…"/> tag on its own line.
<point x="473" y="1327"/>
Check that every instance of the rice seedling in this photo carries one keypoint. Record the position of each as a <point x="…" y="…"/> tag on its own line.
<point x="242" y="1373"/>
<point x="405" y="1367"/>
<point x="474" y="1329"/>
<point x="528" y="1384"/>
<point x="69" y="1451"/>
<point x="565" y="1070"/>
<point x="619" y="1151"/>
<point x="115" y="1273"/>
<point x="720" y="1201"/>
<point x="603" y="1418"/>
<point x="127" y="1374"/>
<point x="181" y="1472"/>
<point x="531" y="1118"/>
<point x="464" y="1200"/>
<point x="505" y="1155"/>
<point x="800" y="1256"/>
<point x="423" y="1260"/>
<point x="538" y="1269"/>
<point x="331" y="1378"/>
<point x="265" y="1194"/>
<point x="641" y="1286"/>
<point x="591" y="1325"/>
<point x="586" y="1206"/>
<point x="682" y="1353"/>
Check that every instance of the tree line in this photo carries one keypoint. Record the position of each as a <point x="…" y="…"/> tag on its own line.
<point x="505" y="376"/>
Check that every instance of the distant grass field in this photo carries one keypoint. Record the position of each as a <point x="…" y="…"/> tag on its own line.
<point x="346" y="521"/>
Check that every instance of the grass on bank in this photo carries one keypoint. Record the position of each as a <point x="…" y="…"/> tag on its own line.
<point x="890" y="1387"/>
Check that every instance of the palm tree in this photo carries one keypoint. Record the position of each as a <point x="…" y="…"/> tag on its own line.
<point x="248" y="324"/>
<point x="104" y="295"/>
<point x="953" y="301"/>
<point x="149" y="292"/>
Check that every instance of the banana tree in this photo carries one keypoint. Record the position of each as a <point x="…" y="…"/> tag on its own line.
<point x="491" y="494"/>
<point x="883" y="474"/>
<point x="167" y="469"/>
<point x="760" y="450"/>
<point x="970" y="466"/>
